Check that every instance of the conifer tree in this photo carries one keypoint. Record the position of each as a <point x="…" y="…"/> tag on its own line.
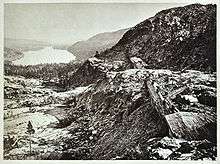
<point x="30" y="131"/>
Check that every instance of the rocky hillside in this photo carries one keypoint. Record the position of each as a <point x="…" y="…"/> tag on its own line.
<point x="116" y="118"/>
<point x="100" y="42"/>
<point x="177" y="39"/>
<point x="12" y="54"/>
<point x="127" y="118"/>
<point x="153" y="94"/>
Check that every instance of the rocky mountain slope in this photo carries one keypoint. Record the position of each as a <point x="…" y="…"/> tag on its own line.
<point x="116" y="118"/>
<point x="146" y="88"/>
<point x="128" y="119"/>
<point x="177" y="39"/>
<point x="100" y="42"/>
<point x="12" y="54"/>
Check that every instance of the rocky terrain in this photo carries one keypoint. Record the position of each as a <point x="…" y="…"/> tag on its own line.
<point x="151" y="96"/>
<point x="29" y="100"/>
<point x="100" y="42"/>
<point x="117" y="118"/>
<point x="12" y="54"/>
<point x="127" y="112"/>
<point x="176" y="39"/>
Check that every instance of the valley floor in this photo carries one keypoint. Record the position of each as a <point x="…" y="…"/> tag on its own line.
<point x="27" y="100"/>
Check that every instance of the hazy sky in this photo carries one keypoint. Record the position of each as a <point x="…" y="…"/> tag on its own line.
<point x="68" y="23"/>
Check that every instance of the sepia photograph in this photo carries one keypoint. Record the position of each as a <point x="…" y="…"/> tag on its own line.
<point x="110" y="81"/>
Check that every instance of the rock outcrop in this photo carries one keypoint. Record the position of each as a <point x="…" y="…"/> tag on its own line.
<point x="146" y="87"/>
<point x="126" y="115"/>
<point x="177" y="38"/>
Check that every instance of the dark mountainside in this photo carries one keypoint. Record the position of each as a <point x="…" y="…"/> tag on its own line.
<point x="132" y="110"/>
<point x="100" y="42"/>
<point x="177" y="39"/>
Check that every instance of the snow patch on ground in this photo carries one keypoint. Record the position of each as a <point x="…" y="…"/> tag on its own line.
<point x="190" y="98"/>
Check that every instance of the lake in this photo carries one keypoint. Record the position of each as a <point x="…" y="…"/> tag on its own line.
<point x="45" y="55"/>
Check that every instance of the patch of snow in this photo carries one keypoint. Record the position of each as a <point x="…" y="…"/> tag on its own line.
<point x="159" y="71"/>
<point x="130" y="72"/>
<point x="172" y="142"/>
<point x="138" y="62"/>
<point x="94" y="59"/>
<point x="191" y="98"/>
<point x="139" y="95"/>
<point x="67" y="94"/>
<point x="77" y="90"/>
<point x="185" y="156"/>
<point x="136" y="59"/>
<point x="164" y="153"/>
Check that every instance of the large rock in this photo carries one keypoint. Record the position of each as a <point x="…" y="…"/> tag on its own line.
<point x="193" y="126"/>
<point x="120" y="109"/>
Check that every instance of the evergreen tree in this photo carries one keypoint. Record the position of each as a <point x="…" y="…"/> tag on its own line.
<point x="30" y="131"/>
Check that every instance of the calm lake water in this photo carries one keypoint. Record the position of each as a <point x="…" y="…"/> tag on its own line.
<point x="45" y="55"/>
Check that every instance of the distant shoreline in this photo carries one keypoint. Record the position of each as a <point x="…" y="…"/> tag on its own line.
<point x="45" y="55"/>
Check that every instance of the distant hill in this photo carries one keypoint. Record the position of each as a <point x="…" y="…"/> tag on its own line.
<point x="24" y="44"/>
<point x="12" y="54"/>
<point x="100" y="42"/>
<point x="61" y="46"/>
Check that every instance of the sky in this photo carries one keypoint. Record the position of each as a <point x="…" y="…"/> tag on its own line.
<point x="68" y="23"/>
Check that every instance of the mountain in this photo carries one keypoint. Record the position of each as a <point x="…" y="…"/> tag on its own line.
<point x="12" y="54"/>
<point x="100" y="42"/>
<point x="153" y="94"/>
<point x="177" y="39"/>
<point x="24" y="44"/>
